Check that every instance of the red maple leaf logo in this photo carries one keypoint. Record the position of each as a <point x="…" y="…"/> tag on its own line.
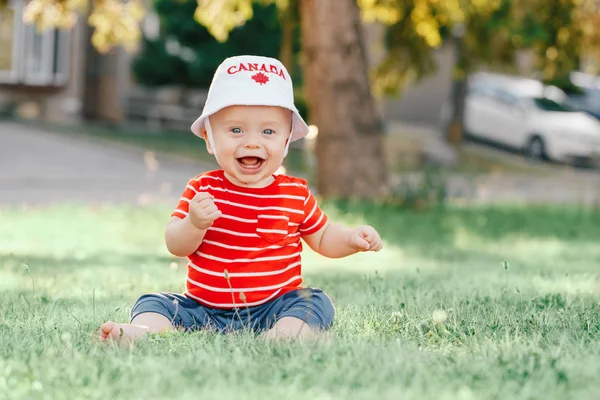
<point x="260" y="78"/>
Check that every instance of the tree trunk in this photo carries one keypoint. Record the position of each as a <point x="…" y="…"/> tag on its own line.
<point x="350" y="161"/>
<point x="287" y="19"/>
<point x="455" y="132"/>
<point x="456" y="126"/>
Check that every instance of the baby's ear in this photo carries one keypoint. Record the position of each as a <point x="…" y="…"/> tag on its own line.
<point x="205" y="137"/>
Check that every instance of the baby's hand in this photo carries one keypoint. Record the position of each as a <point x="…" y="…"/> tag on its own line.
<point x="203" y="211"/>
<point x="365" y="238"/>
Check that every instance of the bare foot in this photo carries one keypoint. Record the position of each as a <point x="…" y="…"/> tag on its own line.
<point x="123" y="333"/>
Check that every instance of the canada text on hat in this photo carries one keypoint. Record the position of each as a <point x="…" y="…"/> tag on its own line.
<point x="251" y="81"/>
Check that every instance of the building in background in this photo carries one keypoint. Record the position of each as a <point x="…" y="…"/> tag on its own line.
<point x="55" y="74"/>
<point x="58" y="76"/>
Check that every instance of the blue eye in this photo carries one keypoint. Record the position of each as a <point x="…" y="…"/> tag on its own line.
<point x="236" y="130"/>
<point x="268" y="131"/>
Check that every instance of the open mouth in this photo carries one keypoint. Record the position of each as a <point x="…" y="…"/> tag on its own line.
<point x="250" y="162"/>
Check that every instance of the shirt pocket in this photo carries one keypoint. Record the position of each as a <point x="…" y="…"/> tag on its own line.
<point x="273" y="227"/>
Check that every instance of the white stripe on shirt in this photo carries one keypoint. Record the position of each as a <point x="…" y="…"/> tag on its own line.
<point x="245" y="290"/>
<point x="255" y="221"/>
<point x="311" y="214"/>
<point x="208" y="177"/>
<point x="181" y="212"/>
<point x="248" y="260"/>
<point x="234" y="218"/>
<point x="245" y="274"/>
<point x="293" y="184"/>
<point x="266" y="216"/>
<point x="281" y="231"/>
<point x="259" y="196"/>
<point x="231" y="203"/>
<point x="315" y="224"/>
<point x="234" y="233"/>
<point x="241" y="248"/>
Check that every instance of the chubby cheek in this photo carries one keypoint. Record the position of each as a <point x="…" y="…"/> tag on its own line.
<point x="277" y="150"/>
<point x="276" y="156"/>
<point x="225" y="148"/>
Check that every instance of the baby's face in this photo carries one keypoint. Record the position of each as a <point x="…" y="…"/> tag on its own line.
<point x="250" y="142"/>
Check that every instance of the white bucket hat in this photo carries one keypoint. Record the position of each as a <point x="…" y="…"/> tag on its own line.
<point x="251" y="81"/>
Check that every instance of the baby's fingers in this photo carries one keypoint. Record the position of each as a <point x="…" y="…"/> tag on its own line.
<point x="206" y="203"/>
<point x="378" y="245"/>
<point x="214" y="215"/>
<point x="202" y="196"/>
<point x="357" y="242"/>
<point x="210" y="209"/>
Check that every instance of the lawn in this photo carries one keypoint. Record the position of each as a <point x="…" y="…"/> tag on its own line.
<point x="435" y="315"/>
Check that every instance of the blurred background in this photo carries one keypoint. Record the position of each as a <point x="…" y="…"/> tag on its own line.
<point x="447" y="115"/>
<point x="432" y="101"/>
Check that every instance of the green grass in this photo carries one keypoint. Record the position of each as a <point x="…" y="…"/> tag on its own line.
<point x="527" y="332"/>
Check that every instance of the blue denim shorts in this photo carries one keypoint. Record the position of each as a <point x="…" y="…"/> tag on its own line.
<point x="310" y="305"/>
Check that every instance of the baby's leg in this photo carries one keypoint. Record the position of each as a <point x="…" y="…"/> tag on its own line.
<point x="304" y="313"/>
<point x="291" y="327"/>
<point x="157" y="312"/>
<point x="139" y="326"/>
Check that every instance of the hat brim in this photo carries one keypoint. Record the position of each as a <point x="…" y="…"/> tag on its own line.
<point x="299" y="126"/>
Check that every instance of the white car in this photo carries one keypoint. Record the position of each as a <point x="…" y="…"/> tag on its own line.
<point x="526" y="115"/>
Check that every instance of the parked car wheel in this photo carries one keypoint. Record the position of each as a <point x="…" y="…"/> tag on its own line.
<point x="535" y="149"/>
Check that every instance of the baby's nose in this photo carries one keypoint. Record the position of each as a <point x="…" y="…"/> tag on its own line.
<point x="251" y="142"/>
<point x="251" y="145"/>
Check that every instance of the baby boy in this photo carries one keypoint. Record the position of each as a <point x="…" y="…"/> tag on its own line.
<point x="241" y="226"/>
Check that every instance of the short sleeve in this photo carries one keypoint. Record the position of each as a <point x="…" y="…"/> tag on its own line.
<point x="314" y="217"/>
<point x="184" y="202"/>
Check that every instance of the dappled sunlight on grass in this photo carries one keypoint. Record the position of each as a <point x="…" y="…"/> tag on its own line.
<point x="121" y="277"/>
<point x="389" y="258"/>
<point x="549" y="253"/>
<point x="568" y="285"/>
<point x="83" y="231"/>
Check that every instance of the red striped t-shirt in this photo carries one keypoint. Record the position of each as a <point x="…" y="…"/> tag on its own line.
<point x="254" y="247"/>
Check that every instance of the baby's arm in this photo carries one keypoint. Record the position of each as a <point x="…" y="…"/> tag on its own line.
<point x="183" y="236"/>
<point x="334" y="241"/>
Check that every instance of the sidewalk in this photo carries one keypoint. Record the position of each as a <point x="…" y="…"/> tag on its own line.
<point x="39" y="167"/>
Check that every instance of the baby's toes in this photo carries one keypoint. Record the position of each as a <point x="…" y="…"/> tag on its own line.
<point x="110" y="330"/>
